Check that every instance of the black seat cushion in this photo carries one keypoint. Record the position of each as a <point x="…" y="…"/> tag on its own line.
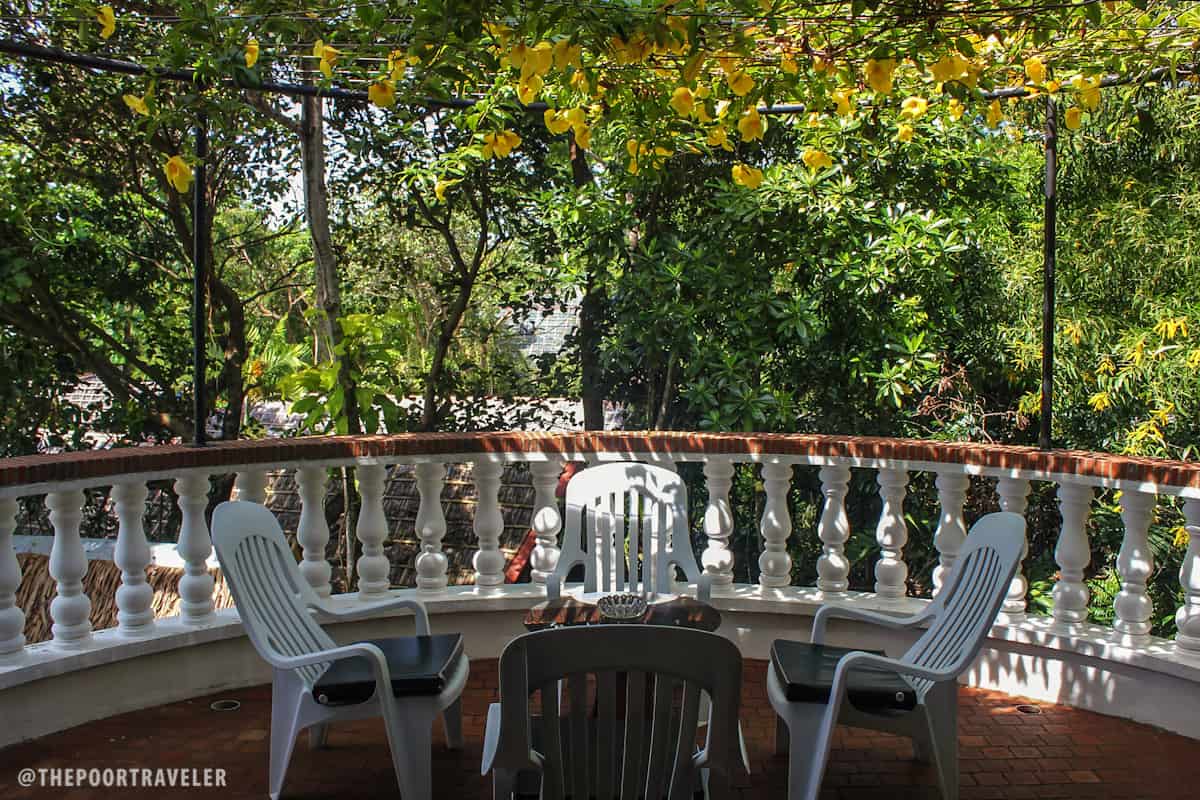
<point x="419" y="665"/>
<point x="806" y="671"/>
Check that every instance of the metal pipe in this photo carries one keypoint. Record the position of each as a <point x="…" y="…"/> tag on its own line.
<point x="1049" y="238"/>
<point x="200" y="281"/>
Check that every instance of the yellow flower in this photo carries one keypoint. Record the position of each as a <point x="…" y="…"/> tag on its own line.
<point x="328" y="56"/>
<point x="702" y="114"/>
<point x="1162" y="414"/>
<point x="439" y="189"/>
<point x="682" y="101"/>
<point x="842" y="98"/>
<point x="1171" y="327"/>
<point x="879" y="74"/>
<point x="1182" y="538"/>
<point x="251" y="53"/>
<point x="1053" y="86"/>
<point x="1035" y="70"/>
<point x="579" y="81"/>
<point x="1193" y="359"/>
<point x="499" y="32"/>
<point x="528" y="88"/>
<point x="789" y="66"/>
<point x="107" y="20"/>
<point x="816" y="159"/>
<point x="814" y="119"/>
<point x="499" y="145"/>
<point x="382" y="93"/>
<point x="583" y="136"/>
<point x="956" y="108"/>
<point x="1106" y="366"/>
<point x="740" y="83"/>
<point x="821" y="66"/>
<point x="1074" y="116"/>
<point x="995" y="114"/>
<point x="904" y="133"/>
<point x="179" y="174"/>
<point x="914" y="107"/>
<point x="717" y="137"/>
<point x="556" y="121"/>
<point x="566" y="54"/>
<point x="136" y="104"/>
<point x="746" y="176"/>
<point x="537" y="60"/>
<point x="1089" y="91"/>
<point x="752" y="126"/>
<point x="1100" y="401"/>
<point x="947" y="68"/>
<point x="633" y="147"/>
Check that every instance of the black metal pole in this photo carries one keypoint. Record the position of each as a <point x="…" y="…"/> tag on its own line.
<point x="199" y="280"/>
<point x="1049" y="238"/>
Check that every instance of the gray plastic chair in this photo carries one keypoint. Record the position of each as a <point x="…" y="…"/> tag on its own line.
<point x="646" y="755"/>
<point x="275" y="603"/>
<point x="959" y="620"/>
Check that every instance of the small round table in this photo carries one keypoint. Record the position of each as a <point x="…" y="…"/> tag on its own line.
<point x="684" y="612"/>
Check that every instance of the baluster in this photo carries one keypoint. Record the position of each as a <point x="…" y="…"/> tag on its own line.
<point x="833" y="569"/>
<point x="717" y="559"/>
<point x="1073" y="554"/>
<point x="951" y="532"/>
<point x="775" y="565"/>
<point x="194" y="547"/>
<point x="431" y="527"/>
<point x="1135" y="562"/>
<point x="547" y="521"/>
<point x="1187" y="619"/>
<point x="312" y="531"/>
<point x="489" y="524"/>
<point x="251" y="486"/>
<point x="1014" y="493"/>
<point x="12" y="618"/>
<point x="71" y="609"/>
<point x="135" y="597"/>
<point x="373" y="567"/>
<point x="892" y="534"/>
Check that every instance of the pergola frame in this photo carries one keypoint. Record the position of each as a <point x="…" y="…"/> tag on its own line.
<point x="199" y="207"/>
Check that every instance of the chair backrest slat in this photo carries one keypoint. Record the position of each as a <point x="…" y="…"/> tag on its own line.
<point x="599" y="764"/>
<point x="963" y="612"/>
<point x="616" y="511"/>
<point x="271" y="595"/>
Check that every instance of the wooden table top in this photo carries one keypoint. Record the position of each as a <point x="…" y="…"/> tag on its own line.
<point x="682" y="611"/>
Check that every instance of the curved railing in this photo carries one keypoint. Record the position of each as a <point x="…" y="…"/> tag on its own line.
<point x="1128" y="643"/>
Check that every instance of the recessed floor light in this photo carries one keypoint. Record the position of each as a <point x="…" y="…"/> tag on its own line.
<point x="1025" y="708"/>
<point x="225" y="705"/>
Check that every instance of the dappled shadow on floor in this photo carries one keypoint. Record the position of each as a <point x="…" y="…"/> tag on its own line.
<point x="1004" y="754"/>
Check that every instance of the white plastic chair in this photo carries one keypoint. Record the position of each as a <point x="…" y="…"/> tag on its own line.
<point x="627" y="508"/>
<point x="274" y="603"/>
<point x="606" y="758"/>
<point x="960" y="617"/>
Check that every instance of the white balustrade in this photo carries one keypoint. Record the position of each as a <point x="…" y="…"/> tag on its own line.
<point x="431" y="562"/>
<point x="194" y="547"/>
<point x="717" y="558"/>
<point x="833" y="568"/>
<point x="775" y="565"/>
<point x="312" y="531"/>
<point x="1135" y="563"/>
<point x="1187" y="619"/>
<point x="373" y="567"/>
<point x="1073" y="554"/>
<point x="12" y="618"/>
<point x="1014" y="494"/>
<point x="489" y="524"/>
<point x="251" y="486"/>
<point x="951" y="531"/>
<point x="547" y="521"/>
<point x="135" y="597"/>
<point x="70" y="609"/>
<point x="892" y="534"/>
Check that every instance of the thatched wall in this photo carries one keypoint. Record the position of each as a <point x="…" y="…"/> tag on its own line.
<point x="100" y="583"/>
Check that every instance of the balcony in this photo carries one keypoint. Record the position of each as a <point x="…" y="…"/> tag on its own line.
<point x="71" y="689"/>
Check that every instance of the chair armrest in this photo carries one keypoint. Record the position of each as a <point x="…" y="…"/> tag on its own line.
<point x="370" y="652"/>
<point x="421" y="614"/>
<point x="821" y="619"/>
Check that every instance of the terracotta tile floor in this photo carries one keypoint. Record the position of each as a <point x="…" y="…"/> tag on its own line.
<point x="1061" y="752"/>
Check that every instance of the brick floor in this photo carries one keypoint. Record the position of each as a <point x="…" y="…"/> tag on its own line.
<point x="1060" y="753"/>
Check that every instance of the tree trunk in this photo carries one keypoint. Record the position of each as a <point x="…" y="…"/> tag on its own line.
<point x="591" y="310"/>
<point x="316" y="211"/>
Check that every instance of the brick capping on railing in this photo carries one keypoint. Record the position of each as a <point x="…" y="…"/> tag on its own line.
<point x="100" y="464"/>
